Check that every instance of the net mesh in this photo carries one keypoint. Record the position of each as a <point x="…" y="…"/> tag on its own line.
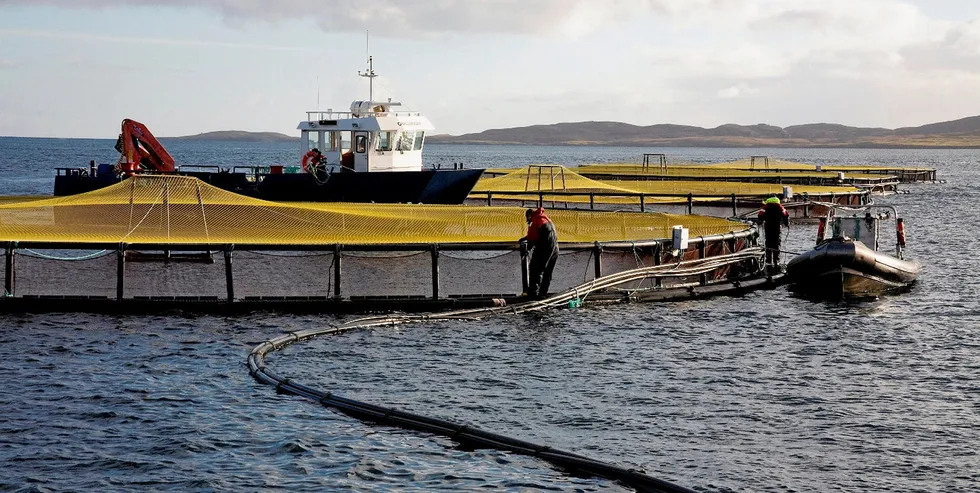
<point x="748" y="167"/>
<point x="726" y="188"/>
<point x="184" y="210"/>
<point x="545" y="178"/>
<point x="535" y="179"/>
<point x="734" y="170"/>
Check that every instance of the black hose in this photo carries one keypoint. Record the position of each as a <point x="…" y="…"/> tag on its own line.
<point x="466" y="434"/>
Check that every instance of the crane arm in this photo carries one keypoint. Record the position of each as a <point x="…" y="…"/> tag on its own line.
<point x="140" y="147"/>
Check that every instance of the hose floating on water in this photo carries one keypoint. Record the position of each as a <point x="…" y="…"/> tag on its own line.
<point x="472" y="436"/>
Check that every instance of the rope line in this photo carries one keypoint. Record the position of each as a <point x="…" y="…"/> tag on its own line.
<point x="288" y="255"/>
<point x="27" y="252"/>
<point x="445" y="253"/>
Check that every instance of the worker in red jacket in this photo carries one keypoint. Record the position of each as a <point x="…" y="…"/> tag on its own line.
<point x="773" y="217"/>
<point x="543" y="242"/>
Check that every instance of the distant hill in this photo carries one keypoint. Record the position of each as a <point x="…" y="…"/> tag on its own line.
<point x="238" y="135"/>
<point x="964" y="132"/>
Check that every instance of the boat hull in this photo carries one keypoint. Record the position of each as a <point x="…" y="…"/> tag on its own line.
<point x="427" y="186"/>
<point x="849" y="269"/>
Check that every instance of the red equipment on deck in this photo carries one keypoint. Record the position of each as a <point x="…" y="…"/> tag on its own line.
<point x="141" y="150"/>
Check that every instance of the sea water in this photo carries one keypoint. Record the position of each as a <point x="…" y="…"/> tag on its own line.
<point x="763" y="392"/>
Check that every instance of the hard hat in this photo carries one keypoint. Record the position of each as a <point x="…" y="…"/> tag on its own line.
<point x="771" y="200"/>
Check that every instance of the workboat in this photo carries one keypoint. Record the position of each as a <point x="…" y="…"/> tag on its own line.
<point x="371" y="153"/>
<point x="847" y="261"/>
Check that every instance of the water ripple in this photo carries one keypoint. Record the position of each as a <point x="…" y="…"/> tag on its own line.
<point x="763" y="392"/>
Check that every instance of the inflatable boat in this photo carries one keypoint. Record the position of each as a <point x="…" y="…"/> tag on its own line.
<point x="847" y="261"/>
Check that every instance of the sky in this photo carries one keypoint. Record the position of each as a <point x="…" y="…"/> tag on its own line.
<point x="76" y="68"/>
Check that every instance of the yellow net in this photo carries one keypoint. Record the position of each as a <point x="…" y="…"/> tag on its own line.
<point x="762" y="163"/>
<point x="541" y="178"/>
<point x="184" y="210"/>
<point x="734" y="171"/>
<point x="536" y="179"/>
<point x="726" y="188"/>
<point x="11" y="199"/>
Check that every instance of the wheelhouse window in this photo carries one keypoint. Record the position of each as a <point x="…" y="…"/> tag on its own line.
<point x="384" y="141"/>
<point x="312" y="140"/>
<point x="361" y="143"/>
<point x="419" y="138"/>
<point x="405" y="141"/>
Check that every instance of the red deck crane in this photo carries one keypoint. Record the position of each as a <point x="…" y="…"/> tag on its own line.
<point x="141" y="150"/>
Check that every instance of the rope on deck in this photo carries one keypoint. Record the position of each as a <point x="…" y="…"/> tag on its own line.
<point x="468" y="435"/>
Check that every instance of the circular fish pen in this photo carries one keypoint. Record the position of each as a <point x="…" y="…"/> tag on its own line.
<point x="171" y="241"/>
<point x="556" y="186"/>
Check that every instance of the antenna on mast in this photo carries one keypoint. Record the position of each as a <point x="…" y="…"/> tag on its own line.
<point x="370" y="70"/>
<point x="318" y="93"/>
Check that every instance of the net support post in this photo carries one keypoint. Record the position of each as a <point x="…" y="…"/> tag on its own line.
<point x="643" y="207"/>
<point x="734" y="205"/>
<point x="120" y="271"/>
<point x="524" y="268"/>
<point x="597" y="253"/>
<point x="702" y="251"/>
<point x="337" y="256"/>
<point x="10" y="264"/>
<point x="435" y="271"/>
<point x="690" y="203"/>
<point x="658" y="259"/>
<point x="229" y="274"/>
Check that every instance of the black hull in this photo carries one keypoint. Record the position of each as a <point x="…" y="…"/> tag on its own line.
<point x="427" y="187"/>
<point x="840" y="269"/>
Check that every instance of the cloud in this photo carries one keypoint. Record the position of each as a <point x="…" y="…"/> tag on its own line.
<point x="5" y="63"/>
<point x="957" y="52"/>
<point x="76" y="36"/>
<point x="704" y="62"/>
<point x="401" y="18"/>
<point x="846" y="20"/>
<point x="737" y="91"/>
<point x="571" y="18"/>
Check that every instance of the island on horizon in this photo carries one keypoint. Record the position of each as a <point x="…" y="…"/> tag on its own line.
<point x="238" y="136"/>
<point x="961" y="133"/>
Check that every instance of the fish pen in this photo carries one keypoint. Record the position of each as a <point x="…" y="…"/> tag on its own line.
<point x="882" y="182"/>
<point x="905" y="174"/>
<point x="555" y="186"/>
<point x="655" y="166"/>
<point x="169" y="241"/>
<point x="759" y="166"/>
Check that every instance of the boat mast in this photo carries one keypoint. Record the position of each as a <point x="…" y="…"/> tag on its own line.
<point x="370" y="71"/>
